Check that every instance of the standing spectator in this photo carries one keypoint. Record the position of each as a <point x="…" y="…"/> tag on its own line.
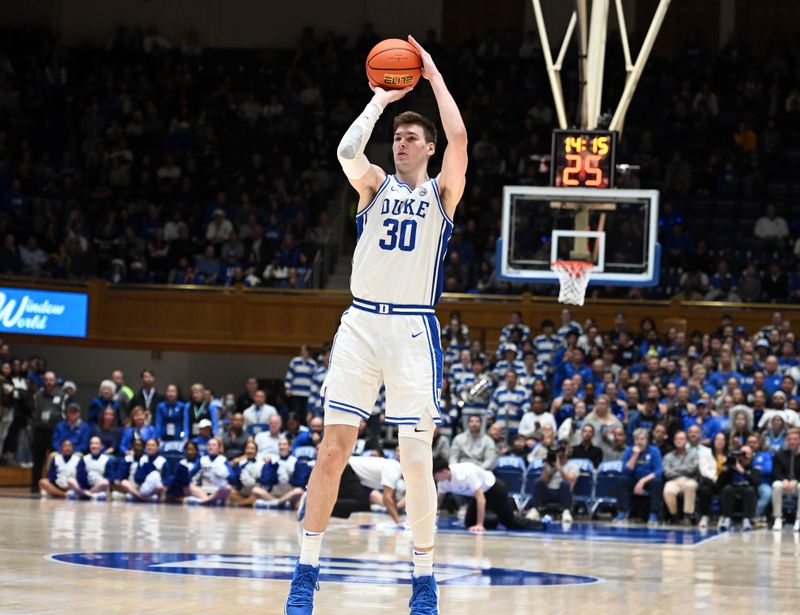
<point x="604" y="424"/>
<point x="642" y="468"/>
<point x="680" y="474"/>
<point x="786" y="475"/>
<point x="258" y="414"/>
<point x="297" y="383"/>
<point x="210" y="482"/>
<point x="172" y="420"/>
<point x="516" y="323"/>
<point x="545" y="345"/>
<point x="94" y="473"/>
<point x="509" y="402"/>
<point x="73" y="429"/>
<point x="234" y="439"/>
<point x="246" y="399"/>
<point x="63" y="466"/>
<point x="104" y="399"/>
<point x="147" y="396"/>
<point x="534" y="421"/>
<point x="199" y="409"/>
<point x="47" y="408"/>
<point x="267" y="440"/>
<point x="317" y="378"/>
<point x="219" y="229"/>
<point x="122" y="392"/>
<point x="474" y="390"/>
<point x="739" y="481"/>
<point x="771" y="230"/>
<point x="474" y="447"/>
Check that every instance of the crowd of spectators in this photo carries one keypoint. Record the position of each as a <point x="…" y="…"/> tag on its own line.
<point x="153" y="160"/>
<point x="692" y="425"/>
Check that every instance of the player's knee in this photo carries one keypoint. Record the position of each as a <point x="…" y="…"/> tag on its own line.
<point x="332" y="457"/>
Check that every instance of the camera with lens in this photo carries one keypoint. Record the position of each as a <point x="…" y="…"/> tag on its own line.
<point x="555" y="450"/>
<point x="733" y="457"/>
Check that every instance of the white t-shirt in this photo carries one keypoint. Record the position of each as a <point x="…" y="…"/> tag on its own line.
<point x="466" y="478"/>
<point x="527" y="426"/>
<point x="377" y="472"/>
<point x="267" y="444"/>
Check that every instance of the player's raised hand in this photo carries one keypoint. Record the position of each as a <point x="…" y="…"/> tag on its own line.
<point x="429" y="70"/>
<point x="384" y="97"/>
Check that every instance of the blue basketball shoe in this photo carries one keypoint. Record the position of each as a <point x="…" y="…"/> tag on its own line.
<point x="301" y="594"/>
<point x="424" y="596"/>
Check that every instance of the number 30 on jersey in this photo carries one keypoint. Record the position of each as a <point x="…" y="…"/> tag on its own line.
<point x="399" y="234"/>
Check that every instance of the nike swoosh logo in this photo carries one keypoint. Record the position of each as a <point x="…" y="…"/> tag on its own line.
<point x="420" y="430"/>
<point x="416" y="334"/>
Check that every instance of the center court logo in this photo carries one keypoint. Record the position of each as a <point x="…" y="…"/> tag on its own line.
<point x="341" y="570"/>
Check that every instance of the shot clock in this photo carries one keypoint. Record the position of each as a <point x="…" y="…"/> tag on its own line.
<point x="583" y="159"/>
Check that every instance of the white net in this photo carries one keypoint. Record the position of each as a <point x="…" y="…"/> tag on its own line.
<point x="574" y="278"/>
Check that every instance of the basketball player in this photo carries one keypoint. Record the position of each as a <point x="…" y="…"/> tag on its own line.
<point x="390" y="333"/>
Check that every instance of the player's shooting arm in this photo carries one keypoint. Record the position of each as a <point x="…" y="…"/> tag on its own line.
<point x="452" y="178"/>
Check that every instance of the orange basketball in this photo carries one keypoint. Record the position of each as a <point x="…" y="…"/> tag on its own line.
<point x="393" y="64"/>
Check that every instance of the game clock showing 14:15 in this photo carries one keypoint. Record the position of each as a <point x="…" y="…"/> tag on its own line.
<point x="583" y="159"/>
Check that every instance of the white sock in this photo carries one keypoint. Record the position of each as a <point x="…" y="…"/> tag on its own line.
<point x="423" y="563"/>
<point x="310" y="547"/>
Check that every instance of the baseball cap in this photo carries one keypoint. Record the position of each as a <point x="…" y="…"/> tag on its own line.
<point x="763" y="343"/>
<point x="781" y="393"/>
<point x="511" y="347"/>
<point x="204" y="423"/>
<point x="68" y="384"/>
<point x="701" y="402"/>
<point x="73" y="405"/>
<point x="218" y="212"/>
<point x="741" y="329"/>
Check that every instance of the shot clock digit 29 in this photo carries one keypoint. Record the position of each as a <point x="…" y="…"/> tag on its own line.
<point x="583" y="159"/>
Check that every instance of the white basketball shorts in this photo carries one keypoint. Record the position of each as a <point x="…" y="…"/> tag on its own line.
<point x="399" y="346"/>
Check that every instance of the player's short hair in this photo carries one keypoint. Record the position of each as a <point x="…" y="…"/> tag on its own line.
<point x="411" y="117"/>
<point x="440" y="463"/>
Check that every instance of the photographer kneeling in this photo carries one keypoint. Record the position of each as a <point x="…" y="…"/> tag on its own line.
<point x="554" y="486"/>
<point x="738" y="481"/>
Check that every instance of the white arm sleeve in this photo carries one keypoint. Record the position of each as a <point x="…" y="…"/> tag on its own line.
<point x="351" y="148"/>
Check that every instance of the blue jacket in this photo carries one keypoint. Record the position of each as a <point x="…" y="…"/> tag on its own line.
<point x="79" y="436"/>
<point x="172" y="421"/>
<point x="145" y="433"/>
<point x="648" y="462"/>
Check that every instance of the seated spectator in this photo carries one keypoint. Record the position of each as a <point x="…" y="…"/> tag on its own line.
<point x="707" y="470"/>
<point x="786" y="476"/>
<point x="441" y="443"/>
<point x="143" y="473"/>
<point x="210" y="482"/>
<point x="94" y="474"/>
<point x="184" y="470"/>
<point x="554" y="486"/>
<point x="585" y="449"/>
<point x="108" y="431"/>
<point x="104" y="399"/>
<point x="605" y="425"/>
<point x="499" y="437"/>
<point x="136" y="429"/>
<point x="73" y="429"/>
<point x="771" y="230"/>
<point x="267" y="441"/>
<point x="741" y="426"/>
<point x="680" y="476"/>
<point x="258" y="414"/>
<point x="248" y="470"/>
<point x="761" y="461"/>
<point x="365" y="441"/>
<point x="642" y="469"/>
<point x="473" y="447"/>
<point x="660" y="439"/>
<point x="488" y="493"/>
<point x="204" y="436"/>
<point x="63" y="467"/>
<point x="542" y="448"/>
<point x="570" y="430"/>
<point x="234" y="439"/>
<point x="619" y="444"/>
<point x="774" y="438"/>
<point x="739" y="481"/>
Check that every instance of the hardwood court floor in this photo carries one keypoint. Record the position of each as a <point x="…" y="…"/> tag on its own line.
<point x="226" y="561"/>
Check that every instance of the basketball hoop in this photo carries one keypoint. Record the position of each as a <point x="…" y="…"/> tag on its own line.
<point x="574" y="278"/>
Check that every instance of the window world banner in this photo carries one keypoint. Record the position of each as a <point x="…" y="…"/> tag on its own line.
<point x="43" y="312"/>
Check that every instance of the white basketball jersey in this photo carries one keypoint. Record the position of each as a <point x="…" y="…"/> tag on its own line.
<point x="402" y="242"/>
